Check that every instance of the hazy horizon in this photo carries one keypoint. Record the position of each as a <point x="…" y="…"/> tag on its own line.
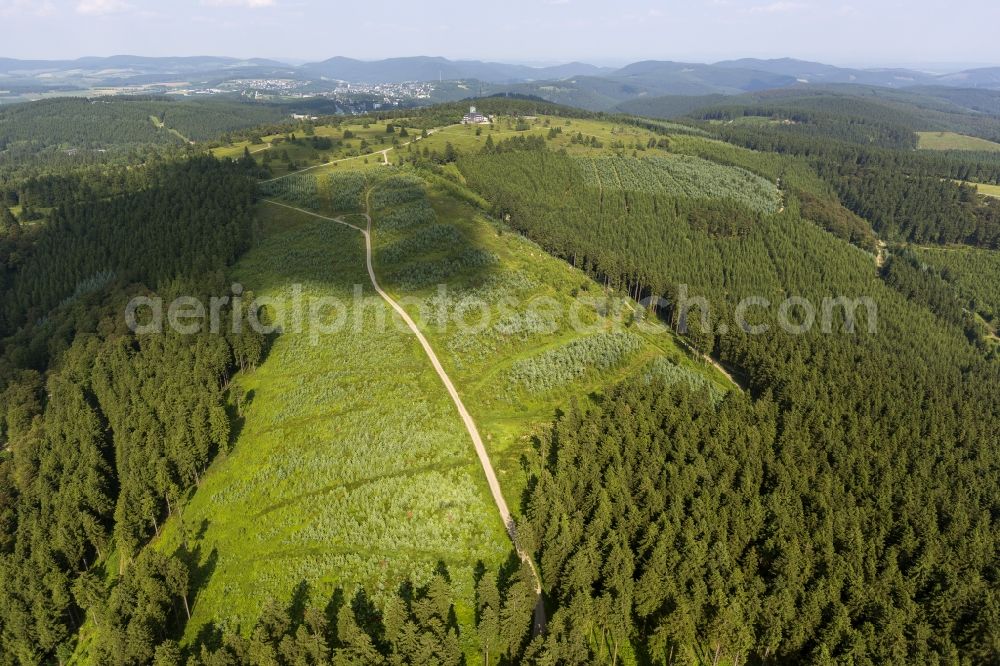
<point x="931" y="67"/>
<point x="883" y="33"/>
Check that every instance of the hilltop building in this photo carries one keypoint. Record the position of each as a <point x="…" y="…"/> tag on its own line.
<point x="473" y="117"/>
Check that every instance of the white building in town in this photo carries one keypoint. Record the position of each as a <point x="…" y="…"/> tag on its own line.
<point x="473" y="117"/>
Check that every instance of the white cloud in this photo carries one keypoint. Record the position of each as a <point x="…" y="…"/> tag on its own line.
<point x="101" y="7"/>
<point x="10" y="8"/>
<point x="251" y="4"/>
<point x="780" y="7"/>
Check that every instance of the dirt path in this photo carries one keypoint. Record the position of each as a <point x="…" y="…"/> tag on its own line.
<point x="881" y="255"/>
<point x="711" y="361"/>
<point x="159" y="124"/>
<point x="470" y="424"/>
<point x="384" y="153"/>
<point x="704" y="357"/>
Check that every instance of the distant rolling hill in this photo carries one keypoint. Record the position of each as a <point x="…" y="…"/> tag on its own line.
<point x="651" y="78"/>
<point x="114" y="67"/>
<point x="399" y="70"/>
<point x="669" y="106"/>
<point x="630" y="88"/>
<point x="682" y="78"/>
<point x="927" y="109"/>
<point x="814" y="72"/>
<point x="84" y="73"/>
<point x="986" y="77"/>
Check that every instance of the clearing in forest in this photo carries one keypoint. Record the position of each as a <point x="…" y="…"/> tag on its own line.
<point x="352" y="467"/>
<point x="953" y="141"/>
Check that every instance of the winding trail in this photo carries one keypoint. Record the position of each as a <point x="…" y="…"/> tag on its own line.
<point x="881" y="255"/>
<point x="385" y="160"/>
<point x="159" y="124"/>
<point x="470" y="424"/>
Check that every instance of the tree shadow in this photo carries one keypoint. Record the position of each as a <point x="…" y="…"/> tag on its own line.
<point x="200" y="570"/>
<point x="509" y="570"/>
<point x="369" y="618"/>
<point x="210" y="637"/>
<point x="237" y="413"/>
<point x="199" y="573"/>
<point x="299" y="603"/>
<point x="442" y="570"/>
<point x="332" y="613"/>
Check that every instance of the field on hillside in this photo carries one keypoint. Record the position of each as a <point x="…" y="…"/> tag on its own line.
<point x="447" y="263"/>
<point x="352" y="467"/>
<point x="953" y="141"/>
<point x="576" y="136"/>
<point x="552" y="334"/>
<point x="284" y="156"/>
<point x="988" y="190"/>
<point x="324" y="145"/>
<point x="683" y="176"/>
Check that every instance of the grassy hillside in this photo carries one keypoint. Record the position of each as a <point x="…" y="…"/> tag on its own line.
<point x="357" y="145"/>
<point x="293" y="151"/>
<point x="552" y="336"/>
<point x="351" y="468"/>
<point x="953" y="141"/>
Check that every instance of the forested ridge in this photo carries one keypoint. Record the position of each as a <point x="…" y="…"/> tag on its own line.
<point x="114" y="122"/>
<point x="105" y="431"/>
<point x="170" y="225"/>
<point x="849" y="543"/>
<point x="843" y="508"/>
<point x="905" y="195"/>
<point x="695" y="531"/>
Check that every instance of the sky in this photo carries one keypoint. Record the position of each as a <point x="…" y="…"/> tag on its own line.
<point x="853" y="32"/>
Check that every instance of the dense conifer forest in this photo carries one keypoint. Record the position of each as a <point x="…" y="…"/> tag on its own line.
<point x="111" y="122"/>
<point x="99" y="456"/>
<point x="881" y="472"/>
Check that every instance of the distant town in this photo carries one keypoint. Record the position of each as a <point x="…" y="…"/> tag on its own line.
<point x="351" y="98"/>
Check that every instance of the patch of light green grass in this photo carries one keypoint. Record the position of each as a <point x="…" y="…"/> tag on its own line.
<point x="352" y="468"/>
<point x="953" y="141"/>
<point x="543" y="315"/>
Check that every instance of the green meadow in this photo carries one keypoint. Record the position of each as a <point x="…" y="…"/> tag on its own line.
<point x="953" y="141"/>
<point x="552" y="336"/>
<point x="521" y="333"/>
<point x="351" y="467"/>
<point x="357" y="145"/>
<point x="561" y="133"/>
<point x="354" y="143"/>
<point x="988" y="190"/>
